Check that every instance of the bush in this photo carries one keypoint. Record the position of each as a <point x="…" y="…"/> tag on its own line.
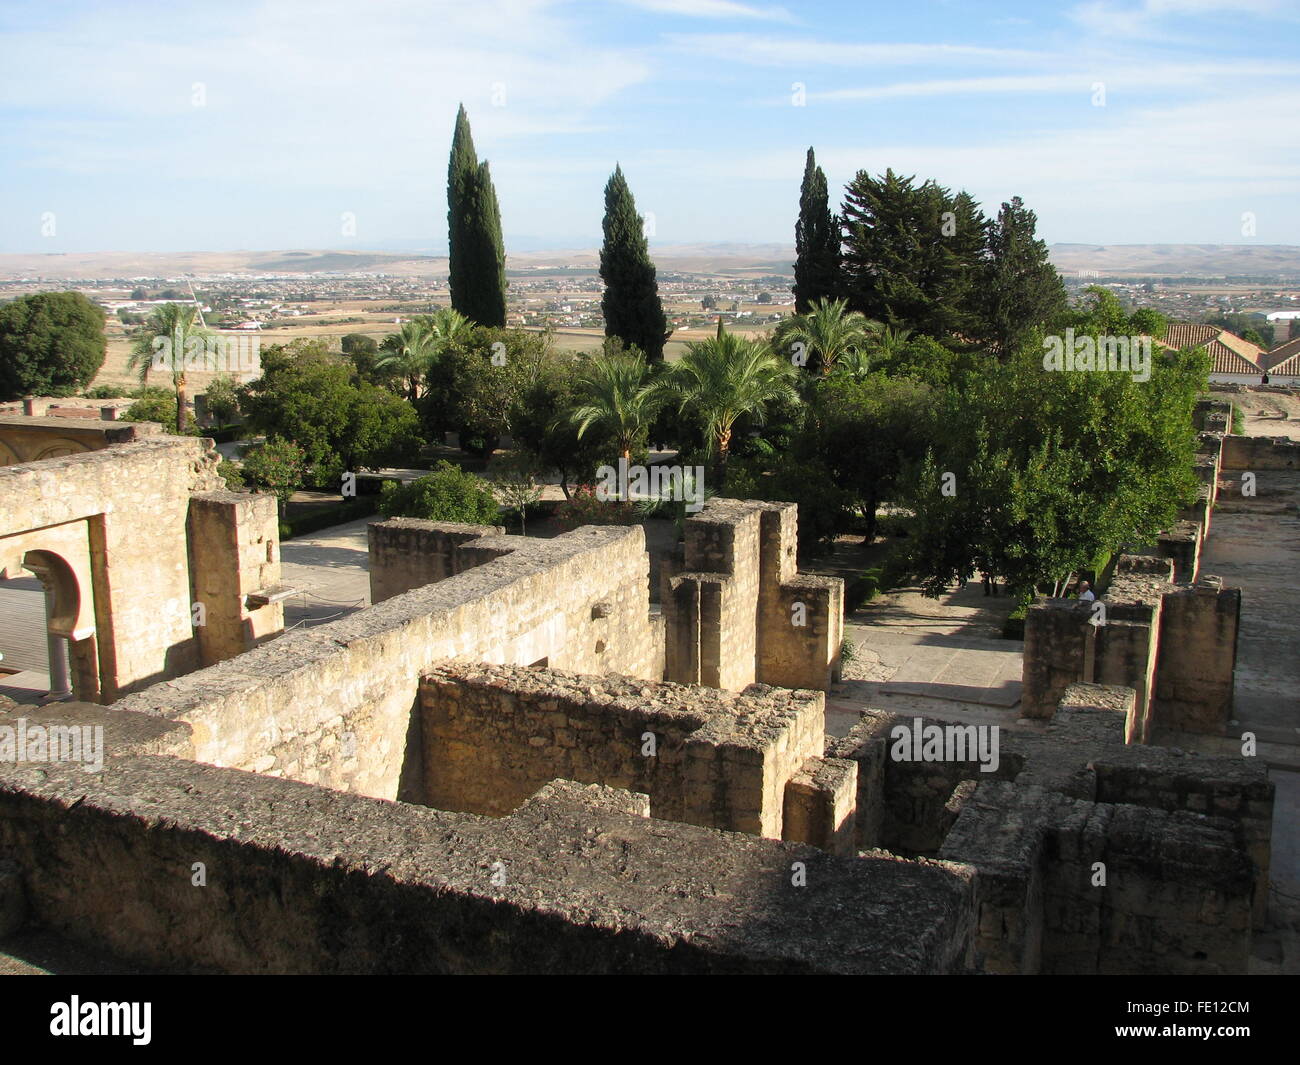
<point x="153" y="405"/>
<point x="278" y="465"/>
<point x="110" y="392"/>
<point x="223" y="400"/>
<point x="447" y="494"/>
<point x="1238" y="421"/>
<point x="232" y="474"/>
<point x="1014" y="627"/>
<point x="584" y="508"/>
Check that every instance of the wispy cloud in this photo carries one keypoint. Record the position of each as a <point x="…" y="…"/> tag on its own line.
<point x="713" y="9"/>
<point x="1151" y="18"/>
<point x="793" y="52"/>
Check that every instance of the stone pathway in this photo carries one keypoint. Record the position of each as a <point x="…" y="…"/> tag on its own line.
<point x="939" y="656"/>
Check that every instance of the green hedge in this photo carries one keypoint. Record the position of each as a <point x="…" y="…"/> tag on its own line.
<point x="324" y="517"/>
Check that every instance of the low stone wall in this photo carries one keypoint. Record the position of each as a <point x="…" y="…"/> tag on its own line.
<point x="299" y="879"/>
<point x="1182" y="840"/>
<point x="334" y="704"/>
<point x="1261" y="453"/>
<point x="406" y="553"/>
<point x="492" y="735"/>
<point x="1176" y="646"/>
<point x="34" y="439"/>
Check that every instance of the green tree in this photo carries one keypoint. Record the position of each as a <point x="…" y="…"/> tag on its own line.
<point x="222" y="397"/>
<point x="720" y="380"/>
<point x="816" y="241"/>
<point x="913" y="254"/>
<point x="447" y="494"/>
<point x="408" y="354"/>
<point x="51" y="344"/>
<point x="315" y="399"/>
<point x="476" y="252"/>
<point x="517" y="480"/>
<point x="541" y="425"/>
<point x="827" y="331"/>
<point x="1022" y="289"/>
<point x="277" y="465"/>
<point x="868" y="432"/>
<point x="476" y="382"/>
<point x="153" y="405"/>
<point x="1047" y="471"/>
<point x="631" y="305"/>
<point x="172" y="340"/>
<point x="1145" y="321"/>
<point x="614" y="393"/>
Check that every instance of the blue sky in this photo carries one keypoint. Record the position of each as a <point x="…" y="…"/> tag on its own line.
<point x="200" y="126"/>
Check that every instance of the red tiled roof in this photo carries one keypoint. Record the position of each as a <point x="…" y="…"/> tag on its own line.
<point x="1230" y="354"/>
<point x="1285" y="358"/>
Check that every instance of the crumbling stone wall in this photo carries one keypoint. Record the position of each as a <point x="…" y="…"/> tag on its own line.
<point x="334" y="705"/>
<point x="235" y="565"/>
<point x="133" y="502"/>
<point x="1182" y="841"/>
<point x="740" y="612"/>
<point x="1261" y="453"/>
<point x="301" y="879"/>
<point x="25" y="439"/>
<point x="1176" y="646"/>
<point x="492" y="735"/>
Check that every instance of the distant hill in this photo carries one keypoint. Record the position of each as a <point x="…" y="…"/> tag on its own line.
<point x="1120" y="260"/>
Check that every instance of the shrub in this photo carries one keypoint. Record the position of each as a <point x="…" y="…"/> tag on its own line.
<point x="232" y="474"/>
<point x="277" y="465"/>
<point x="447" y="494"/>
<point x="223" y="400"/>
<point x="109" y="392"/>
<point x="584" y="508"/>
<point x="153" y="405"/>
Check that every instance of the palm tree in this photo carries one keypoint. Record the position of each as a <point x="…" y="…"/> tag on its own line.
<point x="176" y="323"/>
<point x="827" y="332"/>
<point x="409" y="353"/>
<point x="614" y="393"/>
<point x="724" y="378"/>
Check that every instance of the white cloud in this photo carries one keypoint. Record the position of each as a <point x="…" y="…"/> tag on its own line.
<point x="785" y="51"/>
<point x="713" y="9"/>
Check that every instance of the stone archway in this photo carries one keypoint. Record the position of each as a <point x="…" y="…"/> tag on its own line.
<point x="59" y="556"/>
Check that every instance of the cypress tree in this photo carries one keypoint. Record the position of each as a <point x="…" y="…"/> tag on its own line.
<point x="816" y="241"/>
<point x="631" y="305"/>
<point x="476" y="255"/>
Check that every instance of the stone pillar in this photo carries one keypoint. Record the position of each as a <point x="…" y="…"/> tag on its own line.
<point x="57" y="647"/>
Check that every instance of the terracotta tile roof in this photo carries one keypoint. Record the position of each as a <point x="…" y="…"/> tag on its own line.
<point x="1230" y="354"/>
<point x="1284" y="358"/>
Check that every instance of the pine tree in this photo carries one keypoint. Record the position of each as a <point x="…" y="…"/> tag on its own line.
<point x="816" y="241"/>
<point x="476" y="254"/>
<point x="1022" y="290"/>
<point x="913" y="254"/>
<point x="631" y="305"/>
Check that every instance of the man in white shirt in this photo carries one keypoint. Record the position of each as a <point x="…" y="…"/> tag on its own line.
<point x="1085" y="592"/>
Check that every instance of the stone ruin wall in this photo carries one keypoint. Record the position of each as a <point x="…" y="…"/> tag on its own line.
<point x="334" y="705"/>
<point x="133" y="509"/>
<point x="731" y="615"/>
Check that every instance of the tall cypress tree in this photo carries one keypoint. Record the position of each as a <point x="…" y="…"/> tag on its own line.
<point x="476" y="254"/>
<point x="631" y="303"/>
<point x="816" y="241"/>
